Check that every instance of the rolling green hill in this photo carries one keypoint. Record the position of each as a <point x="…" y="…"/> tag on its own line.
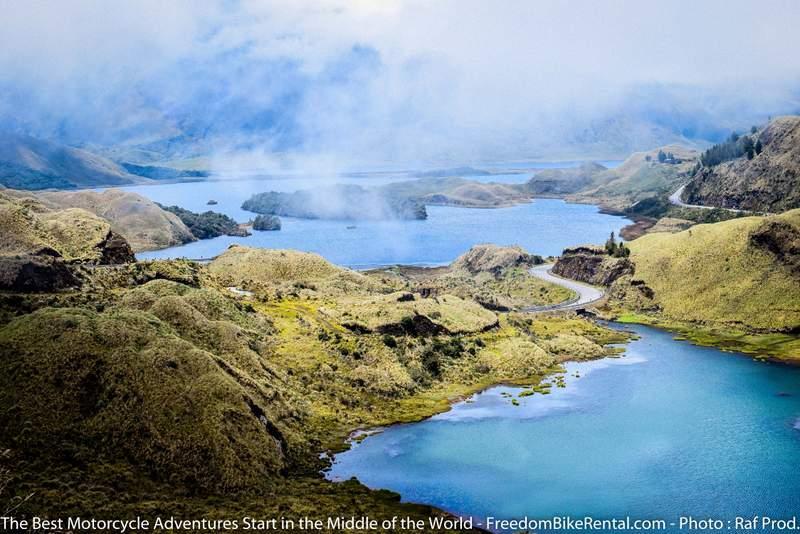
<point x="164" y="389"/>
<point x="140" y="220"/>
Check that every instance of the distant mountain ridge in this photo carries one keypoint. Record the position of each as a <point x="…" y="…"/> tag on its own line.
<point x="30" y="163"/>
<point x="34" y="164"/>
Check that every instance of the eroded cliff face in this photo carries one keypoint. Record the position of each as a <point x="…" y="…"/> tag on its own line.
<point x="35" y="273"/>
<point x="770" y="182"/>
<point x="782" y="240"/>
<point x="591" y="265"/>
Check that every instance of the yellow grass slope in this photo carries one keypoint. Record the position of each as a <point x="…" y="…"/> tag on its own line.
<point x="719" y="273"/>
<point x="28" y="227"/>
<point x="139" y="220"/>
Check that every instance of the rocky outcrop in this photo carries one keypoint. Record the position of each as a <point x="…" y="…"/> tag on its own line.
<point x="633" y="294"/>
<point x="591" y="265"/>
<point x="114" y="250"/>
<point x="267" y="223"/>
<point x="769" y="182"/>
<point x="494" y="259"/>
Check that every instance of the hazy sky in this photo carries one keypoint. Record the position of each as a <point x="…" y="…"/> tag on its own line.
<point x="396" y="79"/>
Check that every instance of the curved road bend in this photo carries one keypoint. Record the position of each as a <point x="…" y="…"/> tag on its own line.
<point x="675" y="200"/>
<point x="586" y="294"/>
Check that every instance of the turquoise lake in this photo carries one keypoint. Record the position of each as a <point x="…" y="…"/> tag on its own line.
<point x="669" y="430"/>
<point x="544" y="226"/>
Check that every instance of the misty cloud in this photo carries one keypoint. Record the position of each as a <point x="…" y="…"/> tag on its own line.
<point x="346" y="83"/>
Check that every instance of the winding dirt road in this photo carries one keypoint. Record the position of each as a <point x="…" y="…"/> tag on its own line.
<point x="675" y="199"/>
<point x="586" y="294"/>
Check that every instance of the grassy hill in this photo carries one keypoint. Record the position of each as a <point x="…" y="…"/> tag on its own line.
<point x="454" y="191"/>
<point x="164" y="390"/>
<point x="639" y="177"/>
<point x="559" y="182"/>
<point x="144" y="224"/>
<point x="30" y="228"/>
<point x="496" y="277"/>
<point x="769" y="182"/>
<point x="141" y="221"/>
<point x="739" y="278"/>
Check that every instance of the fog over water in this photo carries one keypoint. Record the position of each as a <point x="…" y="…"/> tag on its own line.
<point x="543" y="226"/>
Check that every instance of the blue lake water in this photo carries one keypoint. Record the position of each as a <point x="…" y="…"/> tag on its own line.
<point x="671" y="429"/>
<point x="544" y="226"/>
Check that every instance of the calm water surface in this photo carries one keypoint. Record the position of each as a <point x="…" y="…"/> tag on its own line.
<point x="544" y="226"/>
<point x="671" y="429"/>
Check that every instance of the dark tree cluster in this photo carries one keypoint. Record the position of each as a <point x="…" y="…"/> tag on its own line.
<point x="434" y="356"/>
<point x="665" y="157"/>
<point x="208" y="224"/>
<point x="618" y="250"/>
<point x="734" y="147"/>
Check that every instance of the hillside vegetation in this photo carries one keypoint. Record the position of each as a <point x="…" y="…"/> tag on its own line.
<point x="740" y="277"/>
<point x="642" y="175"/>
<point x="38" y="243"/>
<point x="208" y="224"/>
<point x="494" y="276"/>
<point x="727" y="272"/>
<point x="756" y="172"/>
<point x="141" y="221"/>
<point x="559" y="182"/>
<point x="165" y="388"/>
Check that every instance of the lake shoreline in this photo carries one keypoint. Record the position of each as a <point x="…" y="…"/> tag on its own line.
<point x="399" y="445"/>
<point x="355" y="435"/>
<point x="702" y="336"/>
<point x="447" y="233"/>
<point x="359" y="435"/>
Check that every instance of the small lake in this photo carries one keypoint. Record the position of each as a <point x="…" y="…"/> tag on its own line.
<point x="544" y="226"/>
<point x="670" y="429"/>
